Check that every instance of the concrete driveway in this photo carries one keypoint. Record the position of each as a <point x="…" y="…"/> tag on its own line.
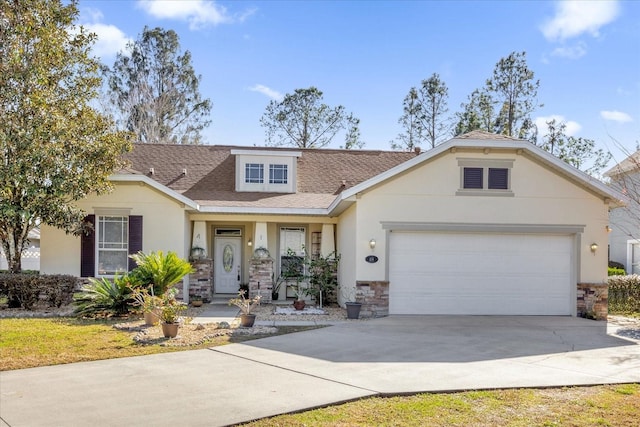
<point x="393" y="355"/>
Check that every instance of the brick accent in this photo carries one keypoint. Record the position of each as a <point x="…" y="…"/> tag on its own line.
<point x="261" y="277"/>
<point x="201" y="281"/>
<point x="374" y="297"/>
<point x="593" y="299"/>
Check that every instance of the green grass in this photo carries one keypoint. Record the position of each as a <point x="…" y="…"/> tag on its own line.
<point x="32" y="342"/>
<point x="616" y="405"/>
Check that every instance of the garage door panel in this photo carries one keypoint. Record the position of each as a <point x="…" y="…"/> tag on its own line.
<point x="451" y="273"/>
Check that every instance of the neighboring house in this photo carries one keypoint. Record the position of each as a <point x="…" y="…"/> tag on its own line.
<point x="624" y="239"/>
<point x="481" y="224"/>
<point x="30" y="256"/>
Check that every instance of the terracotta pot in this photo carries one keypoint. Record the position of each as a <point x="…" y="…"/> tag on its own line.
<point x="151" y="317"/>
<point x="196" y="303"/>
<point x="247" y="320"/>
<point x="299" y="304"/>
<point x="170" y="330"/>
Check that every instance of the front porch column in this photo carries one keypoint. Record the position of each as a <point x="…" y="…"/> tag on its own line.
<point x="200" y="236"/>
<point x="328" y="243"/>
<point x="260" y="236"/>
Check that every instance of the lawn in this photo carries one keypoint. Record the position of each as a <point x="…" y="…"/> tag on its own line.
<point x="616" y="405"/>
<point x="39" y="342"/>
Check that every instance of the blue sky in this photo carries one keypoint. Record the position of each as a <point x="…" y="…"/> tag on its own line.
<point x="367" y="55"/>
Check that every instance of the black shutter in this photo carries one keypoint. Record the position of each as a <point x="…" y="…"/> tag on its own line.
<point x="88" y="249"/>
<point x="498" y="178"/>
<point x="472" y="178"/>
<point x="135" y="238"/>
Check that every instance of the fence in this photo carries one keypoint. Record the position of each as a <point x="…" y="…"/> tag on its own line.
<point x="30" y="259"/>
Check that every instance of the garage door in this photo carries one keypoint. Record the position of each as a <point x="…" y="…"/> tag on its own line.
<point x="477" y="273"/>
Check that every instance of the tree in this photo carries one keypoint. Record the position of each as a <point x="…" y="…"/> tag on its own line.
<point x="578" y="152"/>
<point x="302" y="120"/>
<point x="155" y="91"/>
<point x="54" y="147"/>
<point x="477" y="113"/>
<point x="515" y="90"/>
<point x="423" y="115"/>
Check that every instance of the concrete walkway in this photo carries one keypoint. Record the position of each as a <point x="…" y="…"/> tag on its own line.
<point x="241" y="382"/>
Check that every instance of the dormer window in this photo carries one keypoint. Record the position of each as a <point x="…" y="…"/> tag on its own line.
<point x="254" y="173"/>
<point x="277" y="174"/>
<point x="253" y="165"/>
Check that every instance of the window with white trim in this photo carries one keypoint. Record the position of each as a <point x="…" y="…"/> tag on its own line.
<point x="278" y="174"/>
<point x="254" y="173"/>
<point x="112" y="245"/>
<point x="485" y="177"/>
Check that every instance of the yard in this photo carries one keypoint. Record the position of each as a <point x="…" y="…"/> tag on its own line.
<point x="31" y="342"/>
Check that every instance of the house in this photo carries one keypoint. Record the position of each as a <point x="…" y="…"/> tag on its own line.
<point x="624" y="238"/>
<point x="30" y="256"/>
<point x="481" y="224"/>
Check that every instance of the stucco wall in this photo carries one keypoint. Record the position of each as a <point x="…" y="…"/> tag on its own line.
<point x="346" y="242"/>
<point x="428" y="194"/>
<point x="164" y="227"/>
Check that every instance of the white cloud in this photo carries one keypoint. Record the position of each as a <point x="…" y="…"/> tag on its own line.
<point x="198" y="13"/>
<point x="616" y="116"/>
<point x="570" y="52"/>
<point x="570" y="130"/>
<point x="273" y="94"/>
<point x="574" y="18"/>
<point x="111" y="39"/>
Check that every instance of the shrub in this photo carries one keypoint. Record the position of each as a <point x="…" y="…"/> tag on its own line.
<point x="159" y="270"/>
<point x="612" y="271"/>
<point x="104" y="296"/>
<point x="624" y="294"/>
<point x="614" y="264"/>
<point x="27" y="290"/>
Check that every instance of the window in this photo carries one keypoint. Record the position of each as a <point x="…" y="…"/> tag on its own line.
<point x="254" y="173"/>
<point x="485" y="177"/>
<point x="277" y="174"/>
<point x="498" y="178"/>
<point x="472" y="178"/>
<point x="113" y="245"/>
<point x="292" y="252"/>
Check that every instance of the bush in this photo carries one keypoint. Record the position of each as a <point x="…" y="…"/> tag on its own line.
<point x="104" y="296"/>
<point x="160" y="270"/>
<point x="624" y="294"/>
<point x="27" y="290"/>
<point x="614" y="264"/>
<point x="612" y="271"/>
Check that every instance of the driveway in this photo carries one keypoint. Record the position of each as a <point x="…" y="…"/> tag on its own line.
<point x="393" y="355"/>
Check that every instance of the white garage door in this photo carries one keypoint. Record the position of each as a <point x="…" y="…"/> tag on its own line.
<point x="475" y="273"/>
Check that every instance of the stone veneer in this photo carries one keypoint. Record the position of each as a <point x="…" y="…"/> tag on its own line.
<point x="593" y="298"/>
<point x="201" y="281"/>
<point x="261" y="277"/>
<point x="374" y="296"/>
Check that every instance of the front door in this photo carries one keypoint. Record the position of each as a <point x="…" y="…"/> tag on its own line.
<point x="227" y="265"/>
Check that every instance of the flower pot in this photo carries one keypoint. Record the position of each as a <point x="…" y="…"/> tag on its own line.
<point x="274" y="296"/>
<point x="353" y="309"/>
<point x="247" y="320"/>
<point x="170" y="330"/>
<point x="151" y="317"/>
<point x="299" y="304"/>
<point x="196" y="303"/>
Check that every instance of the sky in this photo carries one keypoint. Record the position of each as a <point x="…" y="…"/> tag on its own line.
<point x="366" y="55"/>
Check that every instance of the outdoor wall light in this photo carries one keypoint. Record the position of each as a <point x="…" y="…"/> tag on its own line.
<point x="249" y="243"/>
<point x="372" y="243"/>
<point x="609" y="229"/>
<point x="594" y="247"/>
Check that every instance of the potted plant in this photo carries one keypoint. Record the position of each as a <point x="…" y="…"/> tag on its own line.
<point x="170" y="313"/>
<point x="293" y="274"/>
<point x="246" y="306"/>
<point x="196" y="300"/>
<point x="197" y="252"/>
<point x="353" y="306"/>
<point x="275" y="291"/>
<point x="149" y="303"/>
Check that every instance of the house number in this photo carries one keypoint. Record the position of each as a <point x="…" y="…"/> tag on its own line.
<point x="372" y="259"/>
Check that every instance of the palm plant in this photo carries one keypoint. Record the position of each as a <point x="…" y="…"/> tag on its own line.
<point x="105" y="296"/>
<point x="160" y="270"/>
